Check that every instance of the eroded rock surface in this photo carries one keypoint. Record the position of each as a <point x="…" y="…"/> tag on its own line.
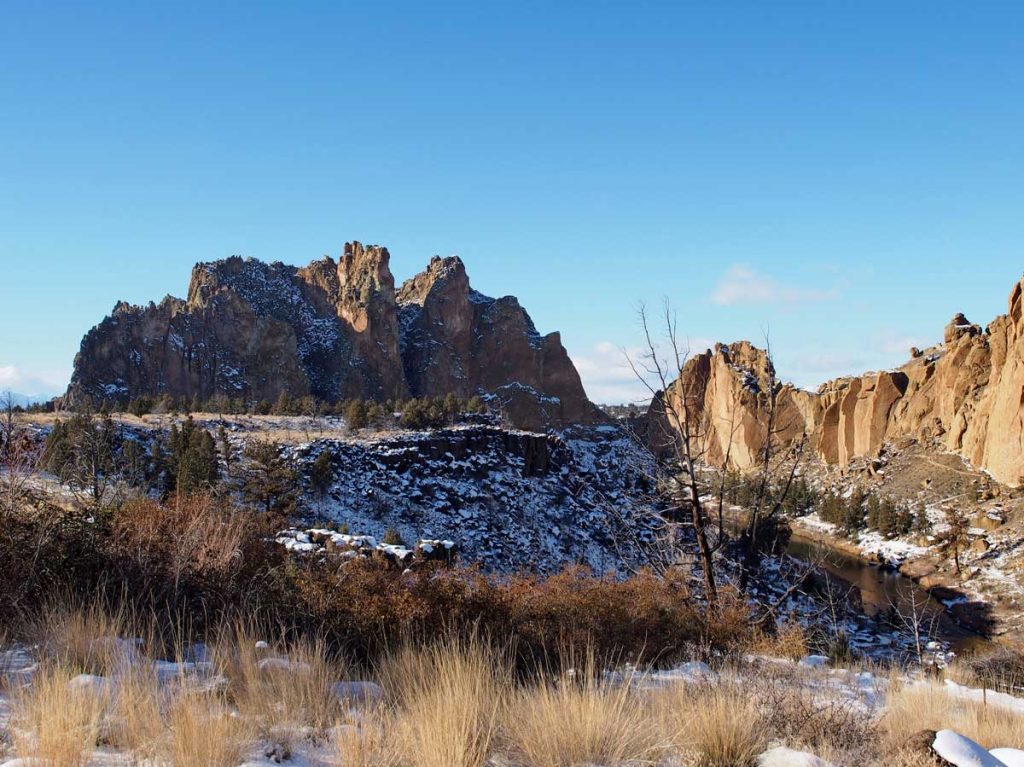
<point x="335" y="330"/>
<point x="965" y="395"/>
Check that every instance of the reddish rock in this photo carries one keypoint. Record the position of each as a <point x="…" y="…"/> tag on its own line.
<point x="335" y="330"/>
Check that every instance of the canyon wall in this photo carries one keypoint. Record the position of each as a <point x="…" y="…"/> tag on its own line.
<point x="965" y="395"/>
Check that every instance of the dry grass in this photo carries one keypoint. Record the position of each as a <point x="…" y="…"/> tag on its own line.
<point x="202" y="732"/>
<point x="87" y="640"/>
<point x="366" y="740"/>
<point x="1002" y="669"/>
<point x="56" y="724"/>
<point x="788" y="641"/>
<point x="929" y="706"/>
<point x="449" y="699"/>
<point x="582" y="720"/>
<point x="136" y="721"/>
<point x="279" y="689"/>
<point x="715" y="725"/>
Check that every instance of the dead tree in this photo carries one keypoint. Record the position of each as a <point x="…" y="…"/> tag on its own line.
<point x="694" y="450"/>
<point x="680" y="450"/>
<point x="776" y="460"/>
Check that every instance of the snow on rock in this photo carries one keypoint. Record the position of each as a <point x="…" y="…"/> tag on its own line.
<point x="366" y="693"/>
<point x="963" y="752"/>
<point x="1011" y="757"/>
<point x="99" y="685"/>
<point x="785" y="757"/>
<point x="168" y="672"/>
<point x="814" y="661"/>
<point x="989" y="697"/>
<point x="505" y="498"/>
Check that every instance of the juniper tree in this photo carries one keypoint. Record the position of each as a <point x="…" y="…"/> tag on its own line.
<point x="321" y="475"/>
<point x="268" y="479"/>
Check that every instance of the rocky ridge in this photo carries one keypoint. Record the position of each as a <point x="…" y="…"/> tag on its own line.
<point x="334" y="330"/>
<point x="964" y="395"/>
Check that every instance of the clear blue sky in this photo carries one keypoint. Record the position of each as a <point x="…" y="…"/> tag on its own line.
<point x="847" y="174"/>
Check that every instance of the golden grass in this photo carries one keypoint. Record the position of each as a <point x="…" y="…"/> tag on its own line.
<point x="278" y="689"/>
<point x="366" y="740"/>
<point x="788" y="641"/>
<point x="582" y="720"/>
<point x="136" y="713"/>
<point x="87" y="640"/>
<point x="449" y="697"/>
<point x="929" y="706"/>
<point x="202" y="732"/>
<point x="715" y="725"/>
<point x="56" y="724"/>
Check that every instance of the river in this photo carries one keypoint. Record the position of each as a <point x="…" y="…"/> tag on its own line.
<point x="882" y="588"/>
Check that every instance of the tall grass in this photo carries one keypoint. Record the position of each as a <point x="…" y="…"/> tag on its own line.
<point x="580" y="719"/>
<point x="56" y="724"/>
<point x="449" y="698"/>
<point x="929" y="706"/>
<point x="91" y="639"/>
<point x="366" y="739"/>
<point x="202" y="732"/>
<point x="279" y="688"/>
<point x="714" y="725"/>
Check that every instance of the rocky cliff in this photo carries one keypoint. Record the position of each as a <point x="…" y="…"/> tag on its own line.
<point x="334" y="330"/>
<point x="965" y="395"/>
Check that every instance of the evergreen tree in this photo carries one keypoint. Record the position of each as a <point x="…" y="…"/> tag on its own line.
<point x="356" y="415"/>
<point x="193" y="458"/>
<point x="285" y="404"/>
<point x="321" y="475"/>
<point x="268" y="479"/>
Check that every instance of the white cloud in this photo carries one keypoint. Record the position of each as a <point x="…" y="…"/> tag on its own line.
<point x="742" y="285"/>
<point x="608" y="378"/>
<point x="43" y="384"/>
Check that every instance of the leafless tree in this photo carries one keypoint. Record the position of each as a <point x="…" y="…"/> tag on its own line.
<point x="17" y="456"/>
<point x="776" y="459"/>
<point x="694" y="451"/>
<point x="919" y="617"/>
<point x="679" y="435"/>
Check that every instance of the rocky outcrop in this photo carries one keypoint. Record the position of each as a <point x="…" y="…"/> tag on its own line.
<point x="965" y="395"/>
<point x="455" y="339"/>
<point x="334" y="330"/>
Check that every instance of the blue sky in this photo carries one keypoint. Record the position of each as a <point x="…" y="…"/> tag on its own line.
<point x="847" y="175"/>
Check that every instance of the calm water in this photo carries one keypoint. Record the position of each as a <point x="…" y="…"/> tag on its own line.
<point x="881" y="589"/>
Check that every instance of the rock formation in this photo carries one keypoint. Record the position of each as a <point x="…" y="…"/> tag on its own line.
<point x="333" y="330"/>
<point x="965" y="395"/>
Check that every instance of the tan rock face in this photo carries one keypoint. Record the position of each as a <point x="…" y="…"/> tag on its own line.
<point x="334" y="330"/>
<point x="967" y="394"/>
<point x="455" y="339"/>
